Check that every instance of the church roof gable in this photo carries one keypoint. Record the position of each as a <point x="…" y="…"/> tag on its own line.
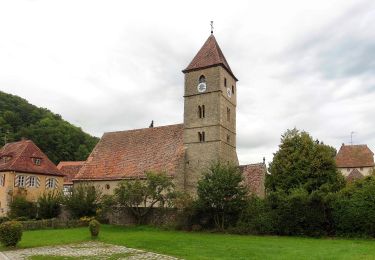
<point x="208" y="56"/>
<point x="129" y="154"/>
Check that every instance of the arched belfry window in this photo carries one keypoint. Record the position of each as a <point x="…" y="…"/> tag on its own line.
<point x="202" y="79"/>
<point x="201" y="111"/>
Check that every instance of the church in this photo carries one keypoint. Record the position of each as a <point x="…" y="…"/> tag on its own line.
<point x="184" y="151"/>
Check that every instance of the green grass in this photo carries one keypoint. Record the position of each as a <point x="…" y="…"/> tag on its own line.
<point x="191" y="245"/>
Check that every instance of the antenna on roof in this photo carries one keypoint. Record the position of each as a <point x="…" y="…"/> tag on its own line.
<point x="212" y="27"/>
<point x="152" y="124"/>
<point x="351" y="137"/>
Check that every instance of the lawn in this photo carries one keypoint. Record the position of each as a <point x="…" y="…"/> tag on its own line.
<point x="190" y="245"/>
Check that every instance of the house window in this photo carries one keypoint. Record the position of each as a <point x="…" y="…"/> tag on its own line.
<point x="201" y="137"/>
<point x="37" y="161"/>
<point x="232" y="89"/>
<point x="6" y="158"/>
<point x="228" y="114"/>
<point x="32" y="181"/>
<point x="21" y="180"/>
<point x="228" y="138"/>
<point x="50" y="183"/>
<point x="225" y="82"/>
<point x="2" y="180"/>
<point x="202" y="79"/>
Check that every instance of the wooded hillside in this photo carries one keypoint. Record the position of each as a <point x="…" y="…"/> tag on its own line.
<point x="57" y="138"/>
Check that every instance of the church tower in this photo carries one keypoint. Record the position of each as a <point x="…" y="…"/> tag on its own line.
<point x="210" y="99"/>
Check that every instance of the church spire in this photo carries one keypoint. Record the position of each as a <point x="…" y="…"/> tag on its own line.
<point x="209" y="55"/>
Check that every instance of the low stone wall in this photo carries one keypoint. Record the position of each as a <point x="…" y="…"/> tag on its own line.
<point x="157" y="216"/>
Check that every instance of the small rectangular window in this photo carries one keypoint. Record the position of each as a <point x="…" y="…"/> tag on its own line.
<point x="21" y="181"/>
<point x="225" y="82"/>
<point x="228" y="138"/>
<point x="228" y="114"/>
<point x="232" y="89"/>
<point x="32" y="181"/>
<point x="2" y="180"/>
<point x="37" y="161"/>
<point x="203" y="111"/>
<point x="50" y="183"/>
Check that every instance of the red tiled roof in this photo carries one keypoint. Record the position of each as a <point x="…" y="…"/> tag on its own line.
<point x="254" y="176"/>
<point x="70" y="169"/>
<point x="354" y="156"/>
<point x="208" y="56"/>
<point x="18" y="156"/>
<point x="129" y="154"/>
<point x="354" y="175"/>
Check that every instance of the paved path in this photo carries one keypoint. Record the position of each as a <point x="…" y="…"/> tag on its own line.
<point x="87" y="250"/>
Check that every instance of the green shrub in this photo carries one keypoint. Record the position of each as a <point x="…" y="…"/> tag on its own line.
<point x="49" y="205"/>
<point x="354" y="209"/>
<point x="256" y="218"/>
<point x="20" y="207"/>
<point x="3" y="219"/>
<point x="83" y="201"/>
<point x="94" y="227"/>
<point x="10" y="233"/>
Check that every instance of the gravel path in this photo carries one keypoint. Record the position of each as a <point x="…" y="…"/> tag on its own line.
<point x="88" y="250"/>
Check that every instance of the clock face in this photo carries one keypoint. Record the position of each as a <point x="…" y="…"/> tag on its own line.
<point x="229" y="92"/>
<point x="202" y="87"/>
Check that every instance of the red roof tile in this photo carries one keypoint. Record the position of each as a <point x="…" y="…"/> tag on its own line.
<point x="254" y="176"/>
<point x="70" y="169"/>
<point x="18" y="156"/>
<point x="129" y="154"/>
<point x="208" y="56"/>
<point x="354" y="156"/>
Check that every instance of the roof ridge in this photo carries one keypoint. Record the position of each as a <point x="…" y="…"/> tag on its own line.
<point x="142" y="129"/>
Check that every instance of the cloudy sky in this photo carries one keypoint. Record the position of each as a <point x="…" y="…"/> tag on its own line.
<point x="116" y="65"/>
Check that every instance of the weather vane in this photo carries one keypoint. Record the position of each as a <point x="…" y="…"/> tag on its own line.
<point x="212" y="27"/>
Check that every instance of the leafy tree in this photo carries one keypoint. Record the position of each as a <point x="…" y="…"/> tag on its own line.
<point x="84" y="200"/>
<point x="60" y="140"/>
<point x="22" y="208"/>
<point x="304" y="163"/>
<point x="354" y="208"/>
<point x="140" y="196"/>
<point x="221" y="193"/>
<point x="49" y="205"/>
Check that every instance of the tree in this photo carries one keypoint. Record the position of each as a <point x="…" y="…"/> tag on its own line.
<point x="304" y="163"/>
<point x="49" y="205"/>
<point x="84" y="200"/>
<point x="221" y="193"/>
<point x="140" y="196"/>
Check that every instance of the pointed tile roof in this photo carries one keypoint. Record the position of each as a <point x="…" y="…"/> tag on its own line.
<point x="70" y="169"/>
<point x="208" y="56"/>
<point x="129" y="154"/>
<point x="354" y="156"/>
<point x="354" y="175"/>
<point x="20" y="156"/>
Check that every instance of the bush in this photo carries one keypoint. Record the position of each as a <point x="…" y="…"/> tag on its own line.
<point x="94" y="227"/>
<point x="256" y="218"/>
<point x="83" y="201"/>
<point x="10" y="233"/>
<point x="49" y="205"/>
<point x="221" y="194"/>
<point x="354" y="209"/>
<point x="20" y="207"/>
<point x="52" y="223"/>
<point x="3" y="219"/>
